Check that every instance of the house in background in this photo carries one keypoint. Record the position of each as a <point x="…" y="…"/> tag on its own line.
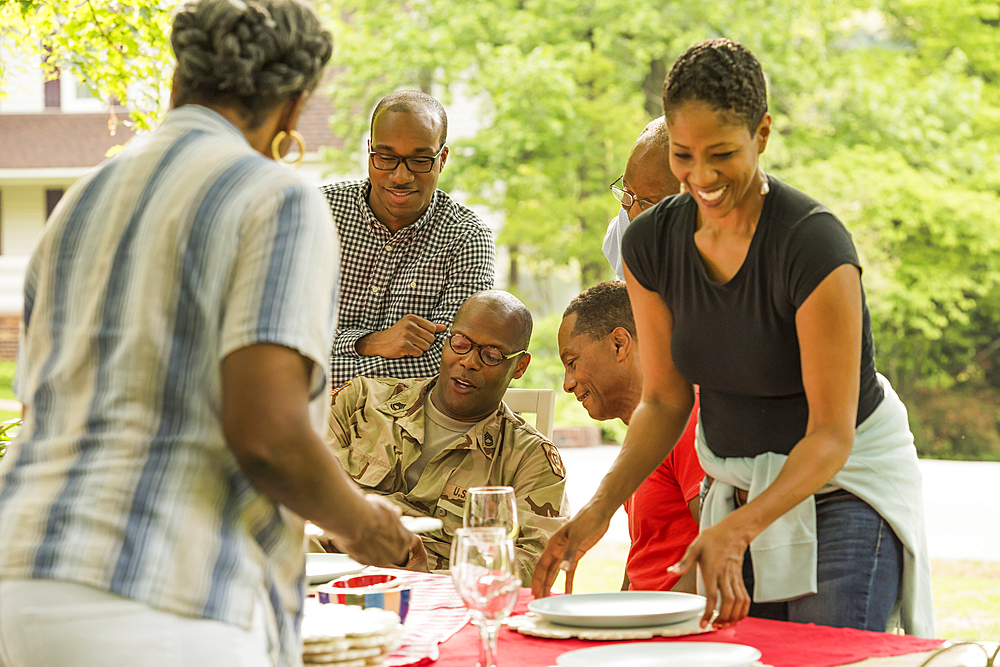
<point x="51" y="133"/>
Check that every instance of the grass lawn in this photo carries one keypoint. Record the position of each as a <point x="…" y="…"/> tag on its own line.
<point x="6" y="379"/>
<point x="966" y="593"/>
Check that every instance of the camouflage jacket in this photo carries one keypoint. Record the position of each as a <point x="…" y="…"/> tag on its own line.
<point x="376" y="429"/>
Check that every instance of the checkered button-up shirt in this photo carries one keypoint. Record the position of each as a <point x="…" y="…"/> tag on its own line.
<point x="427" y="268"/>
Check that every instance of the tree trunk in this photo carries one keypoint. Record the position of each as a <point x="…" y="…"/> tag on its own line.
<point x="513" y="277"/>
<point x="652" y="88"/>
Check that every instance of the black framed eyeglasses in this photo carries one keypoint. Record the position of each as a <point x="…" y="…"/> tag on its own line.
<point x="417" y="164"/>
<point x="627" y="198"/>
<point x="490" y="355"/>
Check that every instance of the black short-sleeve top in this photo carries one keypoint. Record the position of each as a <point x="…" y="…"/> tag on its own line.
<point x="737" y="340"/>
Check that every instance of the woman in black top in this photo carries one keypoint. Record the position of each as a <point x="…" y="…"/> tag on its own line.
<point x="752" y="290"/>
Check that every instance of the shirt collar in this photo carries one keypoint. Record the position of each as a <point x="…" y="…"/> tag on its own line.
<point x="373" y="222"/>
<point x="197" y="117"/>
<point x="408" y="408"/>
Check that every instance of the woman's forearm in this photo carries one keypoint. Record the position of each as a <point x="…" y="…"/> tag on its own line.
<point x="653" y="431"/>
<point x="812" y="462"/>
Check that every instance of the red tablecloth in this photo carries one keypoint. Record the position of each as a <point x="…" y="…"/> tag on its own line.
<point x="782" y="644"/>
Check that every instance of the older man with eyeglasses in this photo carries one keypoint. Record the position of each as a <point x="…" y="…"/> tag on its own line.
<point x="423" y="443"/>
<point x="647" y="180"/>
<point x="410" y="255"/>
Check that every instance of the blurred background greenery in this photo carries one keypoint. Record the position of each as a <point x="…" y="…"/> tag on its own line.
<point x="887" y="111"/>
<point x="6" y="379"/>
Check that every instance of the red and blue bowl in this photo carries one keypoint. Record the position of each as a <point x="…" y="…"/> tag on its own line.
<point x="382" y="591"/>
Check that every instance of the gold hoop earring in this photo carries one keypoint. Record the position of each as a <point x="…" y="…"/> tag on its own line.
<point x="276" y="148"/>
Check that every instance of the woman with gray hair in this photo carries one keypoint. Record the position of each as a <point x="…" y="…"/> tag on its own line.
<point x="173" y="367"/>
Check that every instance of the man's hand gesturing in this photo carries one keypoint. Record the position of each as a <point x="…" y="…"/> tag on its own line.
<point x="411" y="336"/>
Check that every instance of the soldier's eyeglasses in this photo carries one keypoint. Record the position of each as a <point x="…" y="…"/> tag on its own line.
<point x="490" y="355"/>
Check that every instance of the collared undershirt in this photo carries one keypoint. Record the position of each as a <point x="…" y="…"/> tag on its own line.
<point x="440" y="430"/>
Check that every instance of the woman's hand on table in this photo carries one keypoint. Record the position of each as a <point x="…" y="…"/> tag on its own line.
<point x="719" y="551"/>
<point x="566" y="547"/>
<point x="380" y="538"/>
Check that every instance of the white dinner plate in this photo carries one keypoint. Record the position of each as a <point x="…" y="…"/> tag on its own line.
<point x="421" y="524"/>
<point x="415" y="524"/>
<point x="321" y="568"/>
<point x="662" y="654"/>
<point x="625" y="609"/>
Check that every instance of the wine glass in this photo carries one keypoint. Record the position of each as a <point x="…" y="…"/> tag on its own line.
<point x="491" y="506"/>
<point x="484" y="571"/>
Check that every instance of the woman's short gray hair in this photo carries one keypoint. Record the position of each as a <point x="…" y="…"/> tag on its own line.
<point x="254" y="53"/>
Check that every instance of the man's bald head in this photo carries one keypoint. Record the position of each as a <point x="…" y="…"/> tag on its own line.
<point x="468" y="388"/>
<point x="647" y="172"/>
<point x="654" y="135"/>
<point x="508" y="308"/>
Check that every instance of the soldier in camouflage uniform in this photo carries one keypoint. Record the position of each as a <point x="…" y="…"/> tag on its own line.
<point x="388" y="433"/>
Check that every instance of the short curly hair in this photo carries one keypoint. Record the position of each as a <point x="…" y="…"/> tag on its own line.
<point x="408" y="101"/>
<point x="602" y="308"/>
<point x="253" y="54"/>
<point x="723" y="74"/>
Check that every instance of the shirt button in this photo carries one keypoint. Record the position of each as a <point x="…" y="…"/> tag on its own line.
<point x="375" y="289"/>
<point x="413" y="284"/>
<point x="441" y="512"/>
<point x="388" y="248"/>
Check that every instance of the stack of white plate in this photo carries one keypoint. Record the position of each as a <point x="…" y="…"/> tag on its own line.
<point x="628" y="612"/>
<point x="348" y="636"/>
<point x="625" y="609"/>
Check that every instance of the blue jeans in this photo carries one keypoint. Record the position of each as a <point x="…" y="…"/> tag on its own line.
<point x="858" y="573"/>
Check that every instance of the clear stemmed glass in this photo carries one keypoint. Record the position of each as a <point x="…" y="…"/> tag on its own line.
<point x="491" y="506"/>
<point x="485" y="573"/>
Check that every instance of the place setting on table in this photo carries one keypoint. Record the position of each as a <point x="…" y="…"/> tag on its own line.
<point x="650" y="628"/>
<point x="408" y="614"/>
<point x="375" y="617"/>
<point x="484" y="585"/>
<point x="355" y="615"/>
<point x="628" y="617"/>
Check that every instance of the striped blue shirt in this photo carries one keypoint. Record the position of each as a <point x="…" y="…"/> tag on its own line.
<point x="187" y="246"/>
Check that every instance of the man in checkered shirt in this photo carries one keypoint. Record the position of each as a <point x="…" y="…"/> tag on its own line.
<point x="410" y="255"/>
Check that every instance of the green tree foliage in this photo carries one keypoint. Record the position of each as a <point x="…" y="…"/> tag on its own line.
<point x="885" y="110"/>
<point x="562" y="88"/>
<point x="119" y="48"/>
<point x="882" y="111"/>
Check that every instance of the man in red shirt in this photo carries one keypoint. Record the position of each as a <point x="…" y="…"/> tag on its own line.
<point x="600" y="353"/>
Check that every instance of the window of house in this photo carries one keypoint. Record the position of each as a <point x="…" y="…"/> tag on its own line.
<point x="84" y="91"/>
<point x="52" y="197"/>
<point x="53" y="98"/>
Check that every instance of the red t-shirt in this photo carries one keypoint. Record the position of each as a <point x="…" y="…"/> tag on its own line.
<point x="660" y="524"/>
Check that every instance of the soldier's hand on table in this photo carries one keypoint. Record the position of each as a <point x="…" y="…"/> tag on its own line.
<point x="411" y="336"/>
<point x="566" y="547"/>
<point x="719" y="553"/>
<point x="418" y="557"/>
